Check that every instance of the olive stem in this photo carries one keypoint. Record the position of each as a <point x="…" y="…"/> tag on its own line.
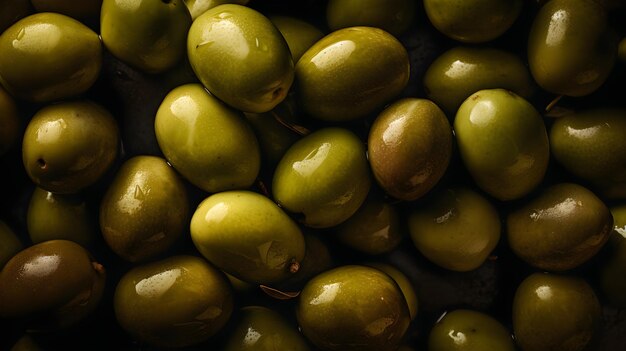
<point x="300" y="130"/>
<point x="553" y="103"/>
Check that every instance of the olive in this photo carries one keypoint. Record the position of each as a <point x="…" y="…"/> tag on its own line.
<point x="208" y="142"/>
<point x="240" y="57"/>
<point x="53" y="285"/>
<point x="473" y="21"/>
<point x="324" y="176"/>
<point x="60" y="216"/>
<point x="299" y="34"/>
<point x="463" y="70"/>
<point x="48" y="56"/>
<point x="174" y="302"/>
<point x="145" y="209"/>
<point x="198" y="7"/>
<point x="409" y="147"/>
<point x="395" y="16"/>
<point x="457" y="229"/>
<point x="351" y="73"/>
<point x="503" y="143"/>
<point x="554" y="312"/>
<point x="149" y="35"/>
<point x="571" y="50"/>
<point x="407" y="288"/>
<point x="69" y="146"/>
<point x="353" y="307"/>
<point x="10" y="121"/>
<point x="612" y="271"/>
<point x="559" y="229"/>
<point x="469" y="330"/>
<point x="247" y="235"/>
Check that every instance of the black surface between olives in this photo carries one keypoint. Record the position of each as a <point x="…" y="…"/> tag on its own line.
<point x="133" y="98"/>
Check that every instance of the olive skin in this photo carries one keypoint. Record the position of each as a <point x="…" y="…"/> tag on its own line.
<point x="10" y="122"/>
<point x="85" y="9"/>
<point x="409" y="147"/>
<point x="560" y="229"/>
<point x="353" y="307"/>
<point x="240" y="57"/>
<point x="350" y="73"/>
<point x="54" y="285"/>
<point x="198" y="7"/>
<point x="590" y="144"/>
<point x="271" y="332"/>
<point x="463" y="70"/>
<point x="554" y="312"/>
<point x="324" y="176"/>
<point x="56" y="216"/>
<point x="175" y="302"/>
<point x="273" y="137"/>
<point x="373" y="229"/>
<point x="395" y="16"/>
<point x="10" y="244"/>
<point x="144" y="210"/>
<point x="247" y="235"/>
<point x="48" y="56"/>
<point x="502" y="142"/>
<point x="570" y="48"/>
<point x="69" y="146"/>
<point x="317" y="258"/>
<point x="457" y="230"/>
<point x="149" y="35"/>
<point x="472" y="21"/>
<point x="469" y="330"/>
<point x="407" y="288"/>
<point x="208" y="142"/>
<point x="299" y="34"/>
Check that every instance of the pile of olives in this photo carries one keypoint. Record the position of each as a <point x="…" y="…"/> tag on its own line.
<point x="344" y="175"/>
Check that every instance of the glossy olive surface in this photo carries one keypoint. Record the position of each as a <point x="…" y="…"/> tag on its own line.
<point x="373" y="229"/>
<point x="353" y="307"/>
<point x="393" y="16"/>
<point x="145" y="209"/>
<point x="10" y="244"/>
<point x="240" y="57"/>
<point x="175" y="302"/>
<point x="56" y="216"/>
<point x="409" y="147"/>
<point x="10" y="122"/>
<point x="469" y="330"/>
<point x="350" y="73"/>
<point x="324" y="176"/>
<point x="198" y="7"/>
<point x="263" y="329"/>
<point x="54" y="284"/>
<point x="147" y="34"/>
<point x="463" y="70"/>
<point x="590" y="144"/>
<point x="457" y="230"/>
<point x="49" y="56"/>
<point x="209" y="143"/>
<point x="68" y="146"/>
<point x="247" y="235"/>
<point x="299" y="34"/>
<point x="503" y="143"/>
<point x="561" y="228"/>
<point x="554" y="312"/>
<point x="472" y="21"/>
<point x="571" y="50"/>
<point x="408" y="290"/>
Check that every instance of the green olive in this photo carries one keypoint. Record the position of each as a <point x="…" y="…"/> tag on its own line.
<point x="571" y="50"/>
<point x="324" y="176"/>
<point x="560" y="229"/>
<point x="473" y="21"/>
<point x="555" y="312"/>
<point x="10" y="122"/>
<point x="48" y="56"/>
<point x="457" y="230"/>
<point x="350" y="73"/>
<point x="408" y="290"/>
<point x="299" y="34"/>
<point x="393" y="16"/>
<point x="149" y="35"/>
<point x="463" y="70"/>
<point x="240" y="57"/>
<point x="469" y="330"/>
<point x="198" y="7"/>
<point x="503" y="143"/>
<point x="175" y="302"/>
<point x="69" y="146"/>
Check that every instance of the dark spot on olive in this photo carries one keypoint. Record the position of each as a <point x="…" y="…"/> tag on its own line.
<point x="42" y="163"/>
